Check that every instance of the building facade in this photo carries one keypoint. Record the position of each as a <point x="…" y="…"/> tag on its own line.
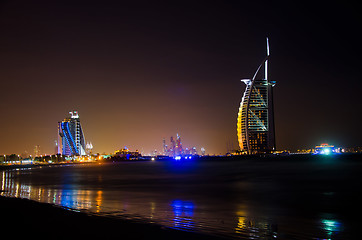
<point x="255" y="123"/>
<point x="71" y="134"/>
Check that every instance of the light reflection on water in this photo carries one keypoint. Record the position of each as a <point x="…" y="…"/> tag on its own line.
<point x="253" y="228"/>
<point x="183" y="214"/>
<point x="177" y="213"/>
<point x="237" y="219"/>
<point x="68" y="198"/>
<point x="331" y="226"/>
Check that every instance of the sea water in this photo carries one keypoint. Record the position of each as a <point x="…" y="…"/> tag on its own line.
<point x="254" y="198"/>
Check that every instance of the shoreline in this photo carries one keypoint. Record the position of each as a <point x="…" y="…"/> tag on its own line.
<point x="25" y="166"/>
<point x="44" y="221"/>
<point x="261" y="158"/>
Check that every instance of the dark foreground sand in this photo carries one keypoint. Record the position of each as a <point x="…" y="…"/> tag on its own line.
<point x="22" y="218"/>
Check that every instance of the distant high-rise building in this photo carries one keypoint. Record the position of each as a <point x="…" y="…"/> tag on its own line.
<point x="255" y="123"/>
<point x="187" y="151"/>
<point x="164" y="147"/>
<point x="37" y="152"/>
<point x="203" y="151"/>
<point x="179" y="150"/>
<point x="70" y="130"/>
<point x="193" y="151"/>
<point x="56" y="151"/>
<point x="88" y="148"/>
<point x="172" y="147"/>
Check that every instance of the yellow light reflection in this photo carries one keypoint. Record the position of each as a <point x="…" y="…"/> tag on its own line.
<point x="99" y="200"/>
<point x="242" y="222"/>
<point x="153" y="209"/>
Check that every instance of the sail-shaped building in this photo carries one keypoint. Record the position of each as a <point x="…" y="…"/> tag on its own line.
<point x="255" y="123"/>
<point x="71" y="134"/>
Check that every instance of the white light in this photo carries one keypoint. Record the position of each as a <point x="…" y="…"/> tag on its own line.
<point x="246" y="81"/>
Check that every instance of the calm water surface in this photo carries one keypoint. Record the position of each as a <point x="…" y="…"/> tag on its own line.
<point x="315" y="198"/>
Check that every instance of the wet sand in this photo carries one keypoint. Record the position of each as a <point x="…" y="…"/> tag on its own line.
<point x="22" y="218"/>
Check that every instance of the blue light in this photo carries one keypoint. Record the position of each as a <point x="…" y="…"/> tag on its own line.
<point x="183" y="213"/>
<point x="325" y="149"/>
<point x="66" y="138"/>
<point x="183" y="208"/>
<point x="71" y="138"/>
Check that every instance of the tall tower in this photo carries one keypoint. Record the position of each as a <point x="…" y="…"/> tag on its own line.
<point x="172" y="147"/>
<point x="70" y="130"/>
<point x="164" y="147"/>
<point x="37" y="152"/>
<point x="56" y="147"/>
<point x="179" y="150"/>
<point x="88" y="148"/>
<point x="255" y="123"/>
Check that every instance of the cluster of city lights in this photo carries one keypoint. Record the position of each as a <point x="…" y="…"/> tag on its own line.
<point x="178" y="158"/>
<point x="324" y="149"/>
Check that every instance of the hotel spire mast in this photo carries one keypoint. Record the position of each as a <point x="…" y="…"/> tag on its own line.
<point x="266" y="61"/>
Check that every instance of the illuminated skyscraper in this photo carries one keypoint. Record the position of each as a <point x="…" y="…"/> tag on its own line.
<point x="164" y="147"/>
<point x="255" y="124"/>
<point x="203" y="151"/>
<point x="37" y="151"/>
<point x="172" y="147"/>
<point x="88" y="148"/>
<point x="179" y="149"/>
<point x="56" y="147"/>
<point x="70" y="130"/>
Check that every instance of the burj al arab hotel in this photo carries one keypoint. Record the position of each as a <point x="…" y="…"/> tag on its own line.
<point x="255" y="125"/>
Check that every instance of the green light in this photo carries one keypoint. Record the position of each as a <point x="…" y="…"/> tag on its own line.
<point x="331" y="226"/>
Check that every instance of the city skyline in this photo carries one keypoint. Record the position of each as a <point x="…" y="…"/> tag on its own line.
<point x="141" y="72"/>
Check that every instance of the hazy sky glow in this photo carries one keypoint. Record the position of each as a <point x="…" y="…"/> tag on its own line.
<point x="138" y="73"/>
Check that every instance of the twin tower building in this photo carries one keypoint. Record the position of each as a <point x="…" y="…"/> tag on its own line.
<point x="255" y="122"/>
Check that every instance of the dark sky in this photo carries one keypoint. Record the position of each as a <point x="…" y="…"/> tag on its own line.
<point x="142" y="71"/>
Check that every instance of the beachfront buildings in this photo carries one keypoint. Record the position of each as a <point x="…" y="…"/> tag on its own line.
<point x="71" y="134"/>
<point x="255" y="122"/>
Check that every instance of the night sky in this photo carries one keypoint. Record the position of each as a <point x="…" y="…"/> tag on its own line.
<point x="143" y="71"/>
